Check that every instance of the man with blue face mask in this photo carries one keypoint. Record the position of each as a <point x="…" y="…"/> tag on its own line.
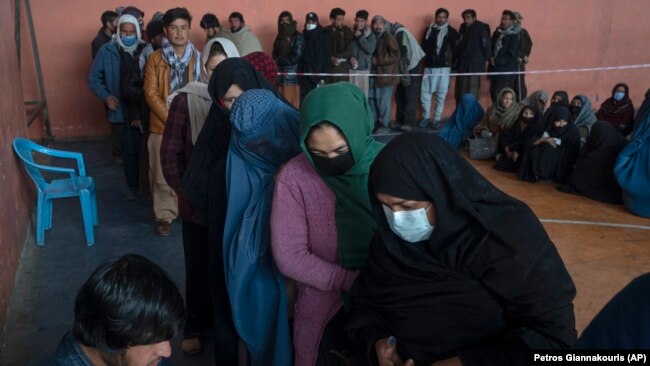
<point x="114" y="61"/>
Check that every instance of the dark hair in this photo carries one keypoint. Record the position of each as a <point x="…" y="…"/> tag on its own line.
<point x="470" y="12"/>
<point x="363" y="14"/>
<point x="126" y="302"/>
<point x="209" y="20"/>
<point x="217" y="49"/>
<point x="237" y="15"/>
<point x="510" y="14"/>
<point x="176" y="13"/>
<point x="108" y="16"/>
<point x="442" y="10"/>
<point x="336" y="12"/>
<point x="286" y="13"/>
<point x="132" y="10"/>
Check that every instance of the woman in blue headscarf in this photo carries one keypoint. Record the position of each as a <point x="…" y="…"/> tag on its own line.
<point x="264" y="136"/>
<point x="461" y="123"/>
<point x="632" y="170"/>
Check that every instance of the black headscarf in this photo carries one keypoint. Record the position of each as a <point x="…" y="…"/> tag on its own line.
<point x="594" y="172"/>
<point x="563" y="102"/>
<point x="520" y="136"/>
<point x="488" y="281"/>
<point x="560" y="113"/>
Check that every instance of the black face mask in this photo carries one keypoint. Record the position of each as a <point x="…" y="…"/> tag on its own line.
<point x="333" y="166"/>
<point x="526" y="120"/>
<point x="575" y="110"/>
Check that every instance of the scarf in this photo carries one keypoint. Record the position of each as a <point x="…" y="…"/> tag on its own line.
<point x="246" y="41"/>
<point x="198" y="105"/>
<point x="228" y="47"/>
<point x="586" y="117"/>
<point x="345" y="106"/>
<point x="534" y="99"/>
<point x="264" y="64"/>
<point x="502" y="34"/>
<point x="442" y="33"/>
<point x="179" y="65"/>
<point x="502" y="116"/>
<point x="118" y="39"/>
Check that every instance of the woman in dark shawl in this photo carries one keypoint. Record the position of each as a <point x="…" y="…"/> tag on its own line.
<point x="583" y="116"/>
<point x="555" y="152"/>
<point x="264" y="136"/>
<point x="593" y="176"/>
<point x="518" y="139"/>
<point x="458" y="270"/>
<point x="204" y="184"/>
<point x="559" y="99"/>
<point x="618" y="109"/>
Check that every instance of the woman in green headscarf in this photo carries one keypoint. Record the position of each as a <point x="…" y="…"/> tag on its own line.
<point x="321" y="221"/>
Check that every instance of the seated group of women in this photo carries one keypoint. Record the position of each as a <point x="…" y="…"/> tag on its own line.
<point x="567" y="143"/>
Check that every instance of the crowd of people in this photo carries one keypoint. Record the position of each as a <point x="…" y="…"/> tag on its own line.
<point x="306" y="241"/>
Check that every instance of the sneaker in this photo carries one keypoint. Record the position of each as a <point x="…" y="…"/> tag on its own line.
<point x="382" y="131"/>
<point x="164" y="228"/>
<point x="424" y="123"/>
<point x="406" y="128"/>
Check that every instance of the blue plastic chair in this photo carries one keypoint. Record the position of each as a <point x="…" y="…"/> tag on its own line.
<point x="77" y="184"/>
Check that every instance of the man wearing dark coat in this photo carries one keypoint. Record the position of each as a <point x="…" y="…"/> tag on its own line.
<point x="505" y="50"/>
<point x="316" y="54"/>
<point x="525" y="47"/>
<point x="474" y="53"/>
<point x="341" y="45"/>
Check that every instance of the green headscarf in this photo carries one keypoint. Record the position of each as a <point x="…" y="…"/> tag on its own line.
<point x="345" y="106"/>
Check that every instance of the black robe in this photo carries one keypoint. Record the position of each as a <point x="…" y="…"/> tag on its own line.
<point x="316" y="57"/>
<point x="486" y="286"/>
<point x="545" y="162"/>
<point x="564" y="102"/>
<point x="475" y="47"/>
<point x="520" y="138"/>
<point x="593" y="176"/>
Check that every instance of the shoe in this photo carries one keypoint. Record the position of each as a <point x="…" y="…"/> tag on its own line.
<point x="164" y="228"/>
<point x="406" y="128"/>
<point x="424" y="123"/>
<point x="382" y="131"/>
<point x="191" y="346"/>
<point x="435" y="125"/>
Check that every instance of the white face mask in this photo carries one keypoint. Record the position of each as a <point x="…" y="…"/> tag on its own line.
<point x="412" y="226"/>
<point x="310" y="26"/>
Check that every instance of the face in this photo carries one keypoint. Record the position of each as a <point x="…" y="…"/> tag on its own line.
<point x="231" y="95"/>
<point x="468" y="19"/>
<point x="527" y="113"/>
<point x="178" y="32"/>
<point x="212" y="64"/>
<point x="541" y="104"/>
<point x="285" y="20"/>
<point x="519" y="20"/>
<point x="560" y="123"/>
<point x="157" y="41"/>
<point x="506" y="100"/>
<point x="556" y="98"/>
<point x="338" y="21"/>
<point x="378" y="26"/>
<point x="327" y="141"/>
<point x="235" y="24"/>
<point x="441" y="18"/>
<point x="127" y="29"/>
<point x="112" y="25"/>
<point x="400" y="204"/>
<point x="576" y="103"/>
<point x="620" y="89"/>
<point x="360" y="23"/>
<point x="145" y="355"/>
<point x="210" y="32"/>
<point x="506" y="21"/>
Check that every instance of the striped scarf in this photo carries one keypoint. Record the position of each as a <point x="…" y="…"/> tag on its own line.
<point x="179" y="65"/>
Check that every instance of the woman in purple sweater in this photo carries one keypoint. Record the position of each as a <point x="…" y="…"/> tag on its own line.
<point x="321" y="221"/>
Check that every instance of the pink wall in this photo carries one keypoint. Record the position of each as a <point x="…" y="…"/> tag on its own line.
<point x="565" y="33"/>
<point x="16" y="193"/>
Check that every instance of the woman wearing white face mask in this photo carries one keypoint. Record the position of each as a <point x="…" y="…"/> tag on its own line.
<point x="459" y="273"/>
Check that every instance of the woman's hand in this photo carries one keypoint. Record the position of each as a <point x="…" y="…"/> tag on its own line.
<point x="387" y="354"/>
<point x="454" y="361"/>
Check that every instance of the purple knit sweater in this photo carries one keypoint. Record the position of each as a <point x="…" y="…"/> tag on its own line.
<point x="305" y="248"/>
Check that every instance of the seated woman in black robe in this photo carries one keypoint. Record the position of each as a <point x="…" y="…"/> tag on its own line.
<point x="555" y="153"/>
<point x="458" y="271"/>
<point x="618" y="110"/>
<point x="593" y="176"/>
<point x="559" y="99"/>
<point x="519" y="138"/>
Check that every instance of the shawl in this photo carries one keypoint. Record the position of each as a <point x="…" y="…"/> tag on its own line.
<point x="535" y="98"/>
<point x="502" y="116"/>
<point x="246" y="41"/>
<point x="442" y="33"/>
<point x="618" y="113"/>
<point x="586" y="117"/>
<point x="345" y="106"/>
<point x="118" y="39"/>
<point x="178" y="65"/>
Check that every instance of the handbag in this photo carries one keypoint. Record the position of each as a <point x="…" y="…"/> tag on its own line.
<point x="483" y="147"/>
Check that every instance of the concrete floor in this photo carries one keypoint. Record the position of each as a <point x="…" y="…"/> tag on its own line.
<point x="603" y="246"/>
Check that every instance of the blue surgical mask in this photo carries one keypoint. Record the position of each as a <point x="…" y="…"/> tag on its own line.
<point x="412" y="226"/>
<point x="618" y="96"/>
<point x="128" y="41"/>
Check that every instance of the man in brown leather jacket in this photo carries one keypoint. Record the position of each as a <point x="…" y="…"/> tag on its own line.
<point x="384" y="61"/>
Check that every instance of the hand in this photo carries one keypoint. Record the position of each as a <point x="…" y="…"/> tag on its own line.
<point x="111" y="102"/>
<point x="453" y="361"/>
<point x="526" y="59"/>
<point x="487" y="64"/>
<point x="387" y="354"/>
<point x="353" y="61"/>
<point x="492" y="61"/>
<point x="551" y="141"/>
<point x="357" y="33"/>
<point x="539" y="141"/>
<point x="515" y="156"/>
<point x="335" y="61"/>
<point x="137" y="123"/>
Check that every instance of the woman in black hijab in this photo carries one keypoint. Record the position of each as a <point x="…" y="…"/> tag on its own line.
<point x="593" y="176"/>
<point x="457" y="270"/>
<point x="204" y="183"/>
<point x="555" y="152"/>
<point x="559" y="99"/>
<point x="519" y="138"/>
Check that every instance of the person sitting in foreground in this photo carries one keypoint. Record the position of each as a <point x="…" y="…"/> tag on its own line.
<point x="458" y="273"/>
<point x="124" y="314"/>
<point x="500" y="116"/>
